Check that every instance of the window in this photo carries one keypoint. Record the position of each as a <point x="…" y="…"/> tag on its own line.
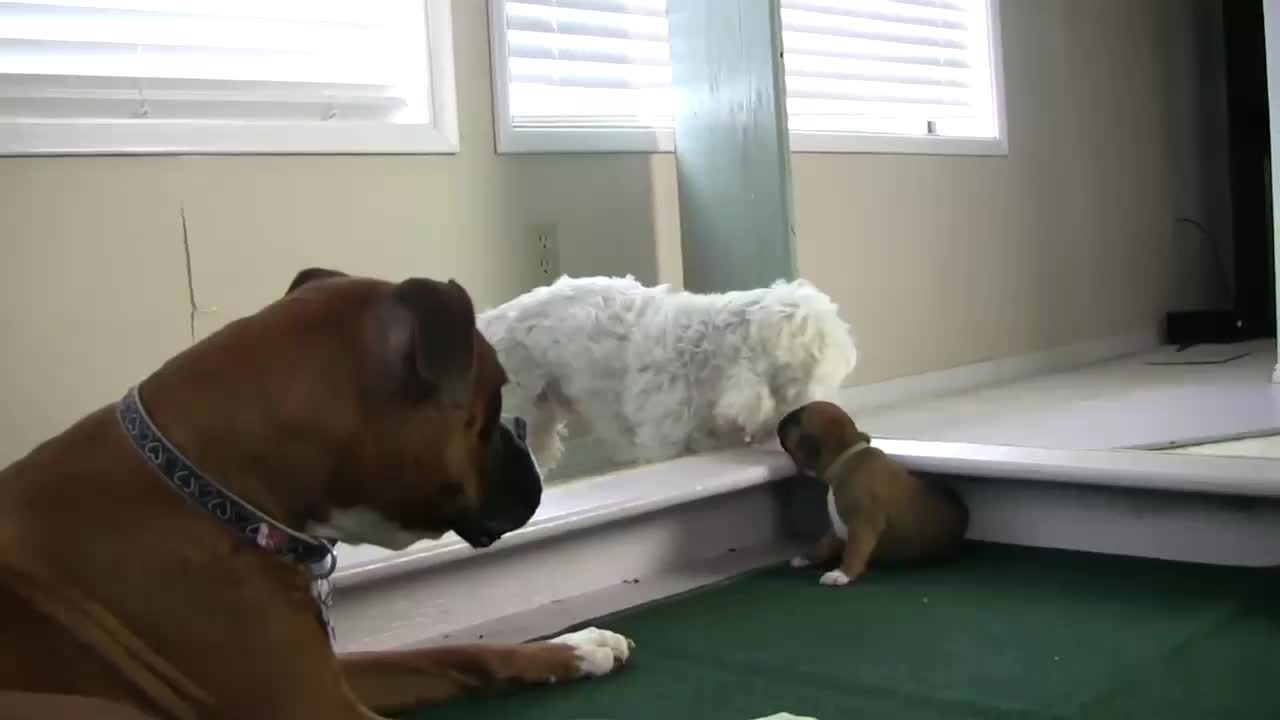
<point x="573" y="75"/>
<point x="226" y="76"/>
<point x="862" y="75"/>
<point x="893" y="76"/>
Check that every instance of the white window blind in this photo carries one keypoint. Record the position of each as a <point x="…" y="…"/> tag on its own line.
<point x="587" y="63"/>
<point x="911" y="68"/>
<point x="914" y="67"/>
<point x="228" y="63"/>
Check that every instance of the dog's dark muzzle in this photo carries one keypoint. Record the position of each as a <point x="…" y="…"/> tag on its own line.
<point x="512" y="488"/>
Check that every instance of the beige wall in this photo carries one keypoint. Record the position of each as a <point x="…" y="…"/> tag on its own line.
<point x="945" y="261"/>
<point x="93" y="276"/>
<point x="938" y="261"/>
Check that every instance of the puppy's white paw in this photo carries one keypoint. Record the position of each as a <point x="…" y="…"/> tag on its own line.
<point x="598" y="651"/>
<point x="835" y="577"/>
<point x="800" y="561"/>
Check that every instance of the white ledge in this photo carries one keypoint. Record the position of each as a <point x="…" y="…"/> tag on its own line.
<point x="622" y="494"/>
<point x="585" y="503"/>
<point x="1142" y="469"/>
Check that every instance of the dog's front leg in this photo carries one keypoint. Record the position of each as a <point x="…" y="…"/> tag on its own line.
<point x="391" y="681"/>
<point x="864" y="533"/>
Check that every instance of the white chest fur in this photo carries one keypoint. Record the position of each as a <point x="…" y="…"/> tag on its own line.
<point x="837" y="525"/>
<point x="833" y="470"/>
<point x="360" y="525"/>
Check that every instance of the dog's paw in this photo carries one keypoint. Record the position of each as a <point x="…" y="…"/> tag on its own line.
<point x="834" y="578"/>
<point x="800" y="561"/>
<point x="598" y="652"/>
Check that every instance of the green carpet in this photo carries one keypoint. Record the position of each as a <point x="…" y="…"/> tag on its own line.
<point x="1003" y="632"/>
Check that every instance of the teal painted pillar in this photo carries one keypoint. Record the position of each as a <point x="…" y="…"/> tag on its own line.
<point x="733" y="156"/>
<point x="1271" y="23"/>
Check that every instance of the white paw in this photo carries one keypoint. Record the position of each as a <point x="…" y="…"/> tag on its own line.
<point x="835" y="577"/>
<point x="800" y="561"/>
<point x="598" y="651"/>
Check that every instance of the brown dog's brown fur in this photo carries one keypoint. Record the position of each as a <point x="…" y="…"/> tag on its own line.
<point x="112" y="587"/>
<point x="893" y="517"/>
<point x="44" y="706"/>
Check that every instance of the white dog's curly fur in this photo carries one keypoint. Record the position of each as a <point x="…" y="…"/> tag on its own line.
<point x="657" y="373"/>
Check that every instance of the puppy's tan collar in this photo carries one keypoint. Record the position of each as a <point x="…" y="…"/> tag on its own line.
<point x="846" y="456"/>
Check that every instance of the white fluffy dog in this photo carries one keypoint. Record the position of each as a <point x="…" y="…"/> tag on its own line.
<point x="656" y="373"/>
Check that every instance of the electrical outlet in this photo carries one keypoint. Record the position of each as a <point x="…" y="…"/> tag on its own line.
<point x="547" y="252"/>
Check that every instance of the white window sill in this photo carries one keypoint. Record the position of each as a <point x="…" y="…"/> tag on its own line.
<point x="585" y="140"/>
<point x="623" y="494"/>
<point x="614" y="140"/>
<point x="861" y="143"/>
<point x="158" y="137"/>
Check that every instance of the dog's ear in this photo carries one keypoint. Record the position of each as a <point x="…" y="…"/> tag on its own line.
<point x="429" y="336"/>
<point x="311" y="275"/>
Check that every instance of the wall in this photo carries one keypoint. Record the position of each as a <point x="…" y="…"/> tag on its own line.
<point x="937" y="261"/>
<point x="943" y="261"/>
<point x="94" y="289"/>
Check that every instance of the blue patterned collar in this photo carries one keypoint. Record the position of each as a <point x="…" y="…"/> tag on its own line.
<point x="241" y="518"/>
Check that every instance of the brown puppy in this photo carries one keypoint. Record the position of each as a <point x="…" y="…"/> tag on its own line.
<point x="880" y="513"/>
<point x="160" y="553"/>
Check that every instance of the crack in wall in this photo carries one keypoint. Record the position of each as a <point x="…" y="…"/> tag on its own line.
<point x="191" y="284"/>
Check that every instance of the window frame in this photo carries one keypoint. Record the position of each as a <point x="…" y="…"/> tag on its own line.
<point x="186" y="137"/>
<point x="511" y="140"/>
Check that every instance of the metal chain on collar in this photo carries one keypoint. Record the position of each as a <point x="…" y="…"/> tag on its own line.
<point x="322" y="592"/>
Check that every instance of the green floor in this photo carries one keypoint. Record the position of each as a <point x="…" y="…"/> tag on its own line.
<point x="1002" y="633"/>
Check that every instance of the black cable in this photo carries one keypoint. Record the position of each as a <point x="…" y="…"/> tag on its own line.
<point x="1216" y="249"/>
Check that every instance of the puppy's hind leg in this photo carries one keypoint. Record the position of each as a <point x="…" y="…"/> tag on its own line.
<point x="824" y="553"/>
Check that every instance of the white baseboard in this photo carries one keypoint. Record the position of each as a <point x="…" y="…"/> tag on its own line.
<point x="995" y="372"/>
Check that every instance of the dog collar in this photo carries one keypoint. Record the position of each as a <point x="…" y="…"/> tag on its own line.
<point x="848" y="453"/>
<point x="238" y="516"/>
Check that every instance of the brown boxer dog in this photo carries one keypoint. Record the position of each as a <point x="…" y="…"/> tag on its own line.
<point x="880" y="513"/>
<point x="161" y="553"/>
<point x="28" y="706"/>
